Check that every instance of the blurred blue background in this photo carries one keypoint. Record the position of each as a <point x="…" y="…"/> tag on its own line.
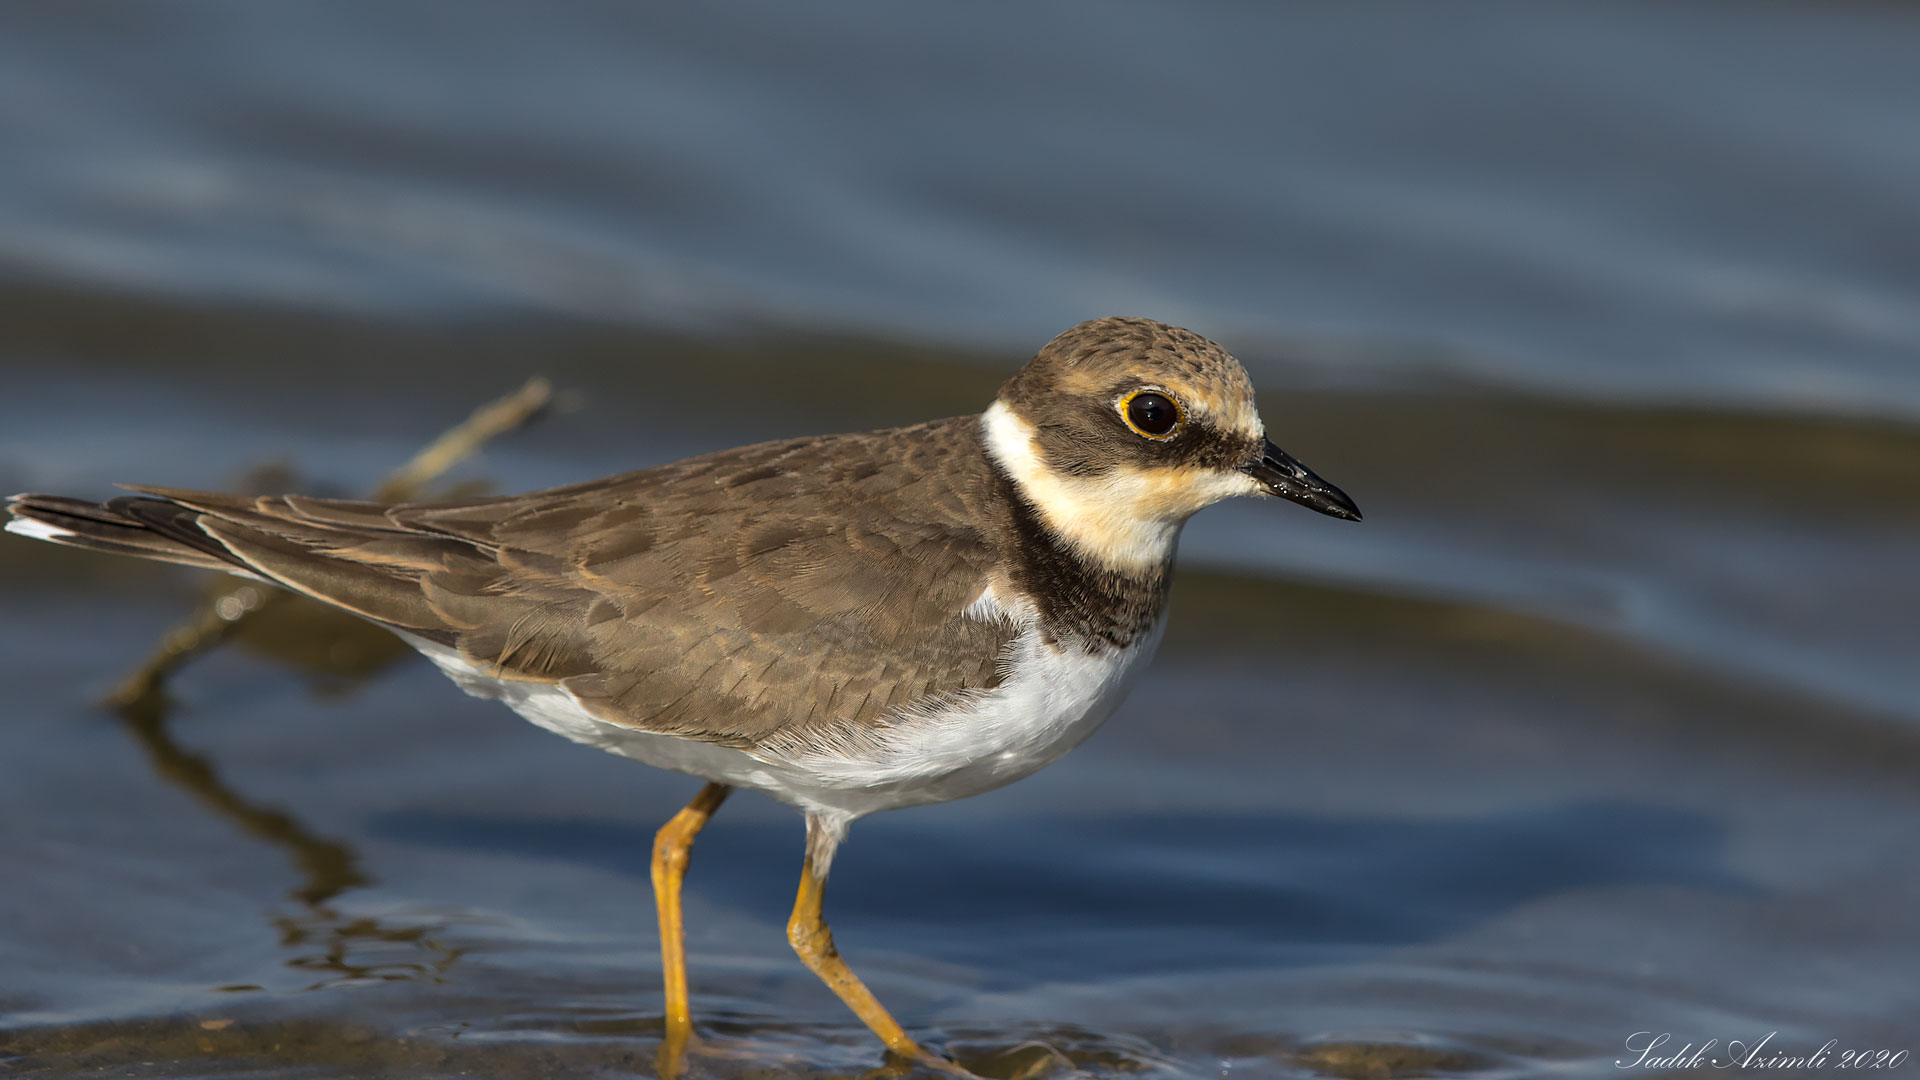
<point x="1604" y="721"/>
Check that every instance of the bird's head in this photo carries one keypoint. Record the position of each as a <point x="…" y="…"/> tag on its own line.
<point x="1120" y="429"/>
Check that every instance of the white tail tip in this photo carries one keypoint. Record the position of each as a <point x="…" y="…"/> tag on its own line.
<point x="39" y="530"/>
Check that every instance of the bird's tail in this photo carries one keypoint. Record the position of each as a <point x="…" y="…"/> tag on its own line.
<point x="131" y="525"/>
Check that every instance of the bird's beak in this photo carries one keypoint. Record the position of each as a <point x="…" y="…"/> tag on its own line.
<point x="1281" y="475"/>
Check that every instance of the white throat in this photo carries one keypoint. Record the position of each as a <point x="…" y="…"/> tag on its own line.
<point x="1124" y="520"/>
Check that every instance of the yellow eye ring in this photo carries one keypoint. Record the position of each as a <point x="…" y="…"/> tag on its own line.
<point x="1152" y="413"/>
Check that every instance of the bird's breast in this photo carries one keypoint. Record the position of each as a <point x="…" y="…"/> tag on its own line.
<point x="1052" y="696"/>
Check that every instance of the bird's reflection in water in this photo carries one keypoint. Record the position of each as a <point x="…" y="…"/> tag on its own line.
<point x="338" y="651"/>
<point x="348" y="949"/>
<point x="337" y="946"/>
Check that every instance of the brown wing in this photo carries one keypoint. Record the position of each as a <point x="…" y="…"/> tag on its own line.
<point x="767" y="589"/>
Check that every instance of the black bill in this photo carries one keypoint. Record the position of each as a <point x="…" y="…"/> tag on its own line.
<point x="1281" y="475"/>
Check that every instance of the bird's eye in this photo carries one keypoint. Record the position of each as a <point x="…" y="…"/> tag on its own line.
<point x="1151" y="413"/>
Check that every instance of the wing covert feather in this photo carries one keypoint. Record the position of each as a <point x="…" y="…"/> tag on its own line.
<point x="731" y="597"/>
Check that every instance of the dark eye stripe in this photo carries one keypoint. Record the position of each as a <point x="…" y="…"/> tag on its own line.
<point x="1151" y="413"/>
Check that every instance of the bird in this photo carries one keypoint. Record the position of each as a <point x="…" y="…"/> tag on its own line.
<point x="848" y="623"/>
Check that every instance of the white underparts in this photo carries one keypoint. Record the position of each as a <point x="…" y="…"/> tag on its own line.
<point x="1048" y="701"/>
<point x="1128" y="518"/>
<point x="1050" y="698"/>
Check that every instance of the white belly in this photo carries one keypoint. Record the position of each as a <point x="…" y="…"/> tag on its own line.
<point x="1048" y="702"/>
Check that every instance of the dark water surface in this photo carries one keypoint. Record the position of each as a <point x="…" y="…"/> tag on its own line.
<point x="1606" y="721"/>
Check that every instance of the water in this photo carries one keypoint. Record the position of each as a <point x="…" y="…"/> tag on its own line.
<point x="1604" y="722"/>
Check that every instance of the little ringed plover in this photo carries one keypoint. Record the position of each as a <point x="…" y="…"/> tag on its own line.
<point x="849" y="623"/>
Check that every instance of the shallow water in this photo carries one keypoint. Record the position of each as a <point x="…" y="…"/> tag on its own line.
<point x="1604" y="722"/>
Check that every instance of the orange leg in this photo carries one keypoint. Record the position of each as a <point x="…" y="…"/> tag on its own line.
<point x="672" y="846"/>
<point x="813" y="940"/>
